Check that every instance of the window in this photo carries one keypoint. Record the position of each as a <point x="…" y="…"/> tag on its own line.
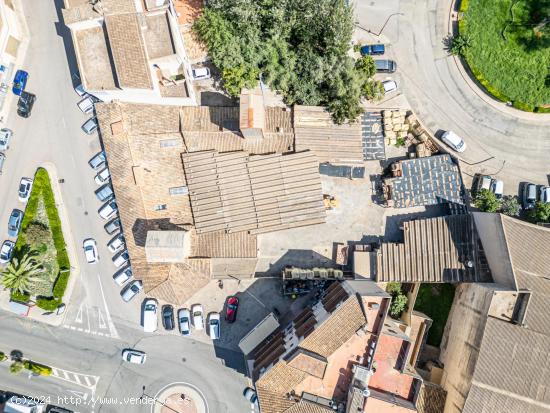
<point x="179" y="190"/>
<point x="160" y="207"/>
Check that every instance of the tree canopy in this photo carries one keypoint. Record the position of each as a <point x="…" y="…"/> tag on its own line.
<point x="299" y="47"/>
<point x="487" y="201"/>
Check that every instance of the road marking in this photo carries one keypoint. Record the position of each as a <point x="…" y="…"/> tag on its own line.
<point x="88" y="316"/>
<point x="66" y="375"/>
<point x="78" y="318"/>
<point x="112" y="328"/>
<point x="102" y="323"/>
<point x="79" y="394"/>
<point x="77" y="378"/>
<point x="256" y="298"/>
<point x="87" y="380"/>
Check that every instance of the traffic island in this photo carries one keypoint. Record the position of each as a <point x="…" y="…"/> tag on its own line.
<point x="180" y="398"/>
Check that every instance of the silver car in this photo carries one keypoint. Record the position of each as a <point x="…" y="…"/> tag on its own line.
<point x="132" y="290"/>
<point x="5" y="137"/>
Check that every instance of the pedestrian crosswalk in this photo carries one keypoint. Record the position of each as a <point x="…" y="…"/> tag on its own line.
<point x="85" y="380"/>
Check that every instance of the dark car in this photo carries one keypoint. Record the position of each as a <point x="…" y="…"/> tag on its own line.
<point x="529" y="196"/>
<point x="25" y="104"/>
<point x="168" y="317"/>
<point x="231" y="307"/>
<point x="19" y="82"/>
<point x="385" y="66"/>
<point x="373" y="49"/>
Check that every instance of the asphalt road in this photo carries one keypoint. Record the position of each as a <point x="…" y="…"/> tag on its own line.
<point x="512" y="149"/>
<point x="85" y="349"/>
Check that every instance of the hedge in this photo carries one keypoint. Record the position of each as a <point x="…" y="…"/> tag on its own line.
<point x="496" y="94"/>
<point x="37" y="368"/>
<point x="523" y="106"/>
<point x="3" y="356"/>
<point x="48" y="303"/>
<point x="463" y="5"/>
<point x="17" y="296"/>
<point x="542" y="110"/>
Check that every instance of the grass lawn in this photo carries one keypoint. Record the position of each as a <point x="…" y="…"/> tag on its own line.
<point x="506" y="55"/>
<point x="435" y="301"/>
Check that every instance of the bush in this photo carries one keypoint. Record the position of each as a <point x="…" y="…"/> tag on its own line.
<point x="526" y="107"/>
<point x="48" y="303"/>
<point x="16" y="367"/>
<point x="486" y="85"/>
<point x="540" y="109"/>
<point x="540" y="213"/>
<point x="487" y="201"/>
<point x="464" y="5"/>
<point x="61" y="283"/>
<point x="17" y="296"/>
<point x="37" y="368"/>
<point x="398" y="305"/>
<point x="3" y="356"/>
<point x="459" y="44"/>
<point x="510" y="206"/>
<point x="393" y="288"/>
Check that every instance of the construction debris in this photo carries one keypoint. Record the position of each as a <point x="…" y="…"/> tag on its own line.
<point x="402" y="128"/>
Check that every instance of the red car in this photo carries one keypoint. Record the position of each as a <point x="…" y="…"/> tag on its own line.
<point x="231" y="306"/>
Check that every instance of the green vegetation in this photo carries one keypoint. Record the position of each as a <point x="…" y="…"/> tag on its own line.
<point x="17" y="296"/>
<point x="398" y="299"/>
<point x="16" y="367"/>
<point x="37" y="368"/>
<point x="510" y="206"/>
<point x="3" y="356"/>
<point x="435" y="301"/>
<point x="300" y="48"/>
<point x="459" y="44"/>
<point x="509" y="49"/>
<point x="540" y="213"/>
<point x="486" y="201"/>
<point x="40" y="266"/>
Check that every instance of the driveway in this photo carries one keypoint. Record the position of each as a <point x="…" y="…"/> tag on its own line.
<point x="509" y="147"/>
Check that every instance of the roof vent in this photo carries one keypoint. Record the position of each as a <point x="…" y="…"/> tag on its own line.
<point x="366" y="393"/>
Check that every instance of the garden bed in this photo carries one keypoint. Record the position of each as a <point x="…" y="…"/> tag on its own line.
<point x="435" y="300"/>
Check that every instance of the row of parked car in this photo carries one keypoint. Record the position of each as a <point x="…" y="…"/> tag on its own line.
<point x="382" y="65"/>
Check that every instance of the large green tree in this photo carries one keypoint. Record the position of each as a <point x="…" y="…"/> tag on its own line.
<point x="22" y="274"/>
<point x="298" y="47"/>
<point x="540" y="213"/>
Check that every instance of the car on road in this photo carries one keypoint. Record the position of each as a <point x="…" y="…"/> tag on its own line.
<point x="200" y="73"/>
<point x="90" y="250"/>
<point x="529" y="196"/>
<point x="150" y="320"/>
<point x="6" y="251"/>
<point x="545" y="194"/>
<point x="108" y="210"/>
<point x="103" y="177"/>
<point x="121" y="258"/>
<point x="184" y="319"/>
<point x="112" y="226"/>
<point x="454" y="141"/>
<point x="97" y="160"/>
<point x="250" y="395"/>
<point x="86" y="105"/>
<point x="168" y="317"/>
<point x="131" y="290"/>
<point x="90" y="126"/>
<point x="25" y="187"/>
<point x="389" y="86"/>
<point x="116" y="244"/>
<point x="104" y="193"/>
<point x="373" y="49"/>
<point x="134" y="356"/>
<point x="231" y="307"/>
<point x="79" y="89"/>
<point x="19" y="82"/>
<point x="497" y="188"/>
<point x="14" y="223"/>
<point x="121" y="277"/>
<point x="5" y="137"/>
<point x="25" y="104"/>
<point x="385" y="66"/>
<point x="198" y="316"/>
<point x="214" y="326"/>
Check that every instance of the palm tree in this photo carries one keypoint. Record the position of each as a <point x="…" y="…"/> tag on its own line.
<point x="22" y="274"/>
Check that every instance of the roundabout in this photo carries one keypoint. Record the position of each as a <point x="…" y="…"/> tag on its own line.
<point x="180" y="397"/>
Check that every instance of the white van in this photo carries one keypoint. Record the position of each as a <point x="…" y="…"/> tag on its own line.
<point x="150" y="320"/>
<point x="454" y="141"/>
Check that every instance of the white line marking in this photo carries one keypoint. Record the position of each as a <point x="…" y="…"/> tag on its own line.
<point x="112" y="328"/>
<point x="102" y="323"/>
<point x="78" y="318"/>
<point x="87" y="380"/>
<point x="77" y="378"/>
<point x="66" y="375"/>
<point x="88" y="315"/>
<point x="79" y="329"/>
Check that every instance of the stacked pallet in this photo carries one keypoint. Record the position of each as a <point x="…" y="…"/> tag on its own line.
<point x="395" y="126"/>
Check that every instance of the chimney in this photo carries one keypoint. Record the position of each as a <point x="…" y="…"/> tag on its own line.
<point x="252" y="114"/>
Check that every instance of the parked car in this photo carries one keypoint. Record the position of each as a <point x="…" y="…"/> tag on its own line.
<point x="150" y="320"/>
<point x="108" y="210"/>
<point x="484" y="182"/>
<point x="116" y="244"/>
<point x="25" y="187"/>
<point x="25" y="104"/>
<point x="200" y="73"/>
<point x="131" y="290"/>
<point x="2" y="161"/>
<point x="121" y="258"/>
<point x="497" y="187"/>
<point x="86" y="105"/>
<point x="373" y="49"/>
<point x="6" y="251"/>
<point x="198" y="316"/>
<point x="97" y="160"/>
<point x="231" y="307"/>
<point x="545" y="194"/>
<point x="103" y="177"/>
<point x="5" y="137"/>
<point x="184" y="319"/>
<point x="134" y="356"/>
<point x="112" y="226"/>
<point x="529" y="196"/>
<point x="214" y="326"/>
<point x="122" y="276"/>
<point x="168" y="317"/>
<point x="385" y="66"/>
<point x="90" y="250"/>
<point x="79" y="89"/>
<point x="90" y="126"/>
<point x="14" y="223"/>
<point x="389" y="86"/>
<point x="250" y="395"/>
<point x="19" y="82"/>
<point x="104" y="193"/>
<point x="454" y="141"/>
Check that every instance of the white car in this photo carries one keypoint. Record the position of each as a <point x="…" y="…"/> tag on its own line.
<point x="150" y="319"/>
<point x="122" y="276"/>
<point x="116" y="244"/>
<point x="454" y="141"/>
<point x="6" y="251"/>
<point x="214" y="326"/>
<point x="25" y="187"/>
<point x="134" y="356"/>
<point x="103" y="177"/>
<point x="497" y="188"/>
<point x="389" y="86"/>
<point x="90" y="250"/>
<point x="120" y="259"/>
<point x="545" y="194"/>
<point x="198" y="316"/>
<point x="86" y="105"/>
<point x="184" y="319"/>
<point x="5" y="137"/>
<point x="90" y="126"/>
<point x="200" y="73"/>
<point x="131" y="290"/>
<point x="108" y="210"/>
<point x="250" y="395"/>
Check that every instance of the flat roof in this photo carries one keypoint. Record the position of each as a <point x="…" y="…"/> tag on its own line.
<point x="96" y="68"/>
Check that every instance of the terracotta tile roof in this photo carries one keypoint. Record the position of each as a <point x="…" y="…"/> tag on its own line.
<point x="303" y="406"/>
<point x="80" y="11"/>
<point x="308" y="363"/>
<point x="128" y="50"/>
<point x="431" y="398"/>
<point x="275" y="384"/>
<point x="181" y="284"/>
<point x="219" y="244"/>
